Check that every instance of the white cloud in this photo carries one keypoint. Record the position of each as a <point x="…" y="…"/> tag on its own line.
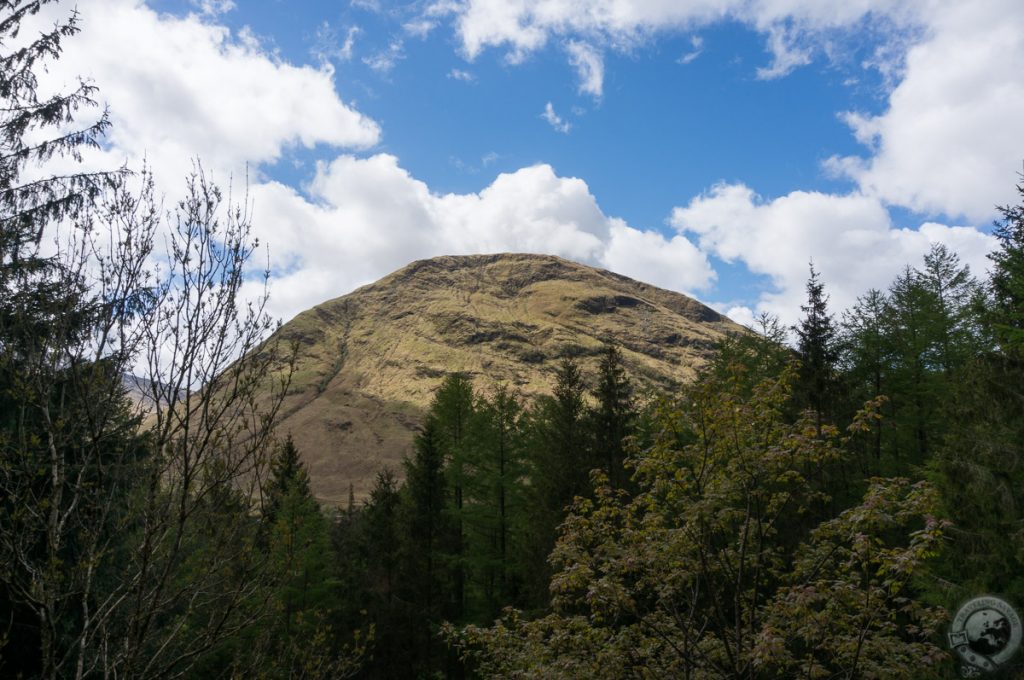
<point x="370" y="216"/>
<point x="327" y="44"/>
<point x="214" y="7"/>
<point x="850" y="238"/>
<point x="555" y="120"/>
<point x="648" y="256"/>
<point x="951" y="137"/>
<point x="182" y="87"/>
<point x="742" y="314"/>
<point x="459" y="74"/>
<point x="385" y="60"/>
<point x="524" y="26"/>
<point x="419" y="28"/>
<point x="697" y="43"/>
<point x="946" y="144"/>
<point x="589" y="67"/>
<point x="786" y="54"/>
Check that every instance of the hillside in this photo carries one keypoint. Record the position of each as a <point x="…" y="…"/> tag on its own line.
<point x="369" y="361"/>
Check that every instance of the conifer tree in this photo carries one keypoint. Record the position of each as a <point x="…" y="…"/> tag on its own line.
<point x="382" y="542"/>
<point x="452" y="412"/>
<point x="612" y="419"/>
<point x="865" y="360"/>
<point x="1007" y="283"/>
<point x="816" y="346"/>
<point x="494" y="497"/>
<point x="286" y="471"/>
<point x="979" y="466"/>
<point x="558" y="470"/>
<point x="427" y="528"/>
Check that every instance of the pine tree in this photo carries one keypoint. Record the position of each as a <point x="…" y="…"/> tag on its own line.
<point x="34" y="130"/>
<point x="816" y="346"/>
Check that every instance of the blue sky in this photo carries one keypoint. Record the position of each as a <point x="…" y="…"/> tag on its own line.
<point x="712" y="146"/>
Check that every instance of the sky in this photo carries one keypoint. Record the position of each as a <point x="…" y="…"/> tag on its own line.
<point x="712" y="147"/>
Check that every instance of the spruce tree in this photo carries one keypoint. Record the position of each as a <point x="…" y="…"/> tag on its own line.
<point x="427" y="527"/>
<point x="612" y="419"/>
<point x="286" y="471"/>
<point x="558" y="467"/>
<point x="816" y="346"/>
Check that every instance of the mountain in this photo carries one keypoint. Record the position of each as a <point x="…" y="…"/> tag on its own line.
<point x="369" y="362"/>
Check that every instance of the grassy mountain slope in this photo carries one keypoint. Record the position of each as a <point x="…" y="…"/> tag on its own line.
<point x="369" y="361"/>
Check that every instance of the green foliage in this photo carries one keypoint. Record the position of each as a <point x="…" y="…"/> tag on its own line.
<point x="816" y="346"/>
<point x="1007" y="283"/>
<point x="558" y="472"/>
<point x="286" y="472"/>
<point x="693" y="576"/>
<point x="849" y="607"/>
<point x="495" y="509"/>
<point x="612" y="417"/>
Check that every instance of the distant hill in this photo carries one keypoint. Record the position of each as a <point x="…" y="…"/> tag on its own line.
<point x="370" y="361"/>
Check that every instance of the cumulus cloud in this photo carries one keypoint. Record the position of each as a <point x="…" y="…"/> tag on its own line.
<point x="851" y="239"/>
<point x="178" y="87"/>
<point x="527" y="25"/>
<point x="554" y="120"/>
<point x="370" y="216"/>
<point x="950" y="139"/>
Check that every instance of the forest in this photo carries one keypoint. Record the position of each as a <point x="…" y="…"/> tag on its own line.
<point x="817" y="503"/>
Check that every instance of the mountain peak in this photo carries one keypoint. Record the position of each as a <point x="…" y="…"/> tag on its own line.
<point x="370" y="361"/>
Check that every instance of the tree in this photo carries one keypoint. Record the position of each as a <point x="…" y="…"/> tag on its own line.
<point x="558" y="470"/>
<point x="979" y="463"/>
<point x="427" y="526"/>
<point x="452" y="412"/>
<point x="865" y="358"/>
<point x="106" y="535"/>
<point x="286" y="471"/>
<point x="612" y="418"/>
<point x="1007" y="283"/>
<point x="494" y="511"/>
<point x="304" y="582"/>
<point x="693" y="577"/>
<point x="816" y="346"/>
<point x="35" y="129"/>
<point x="955" y="298"/>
